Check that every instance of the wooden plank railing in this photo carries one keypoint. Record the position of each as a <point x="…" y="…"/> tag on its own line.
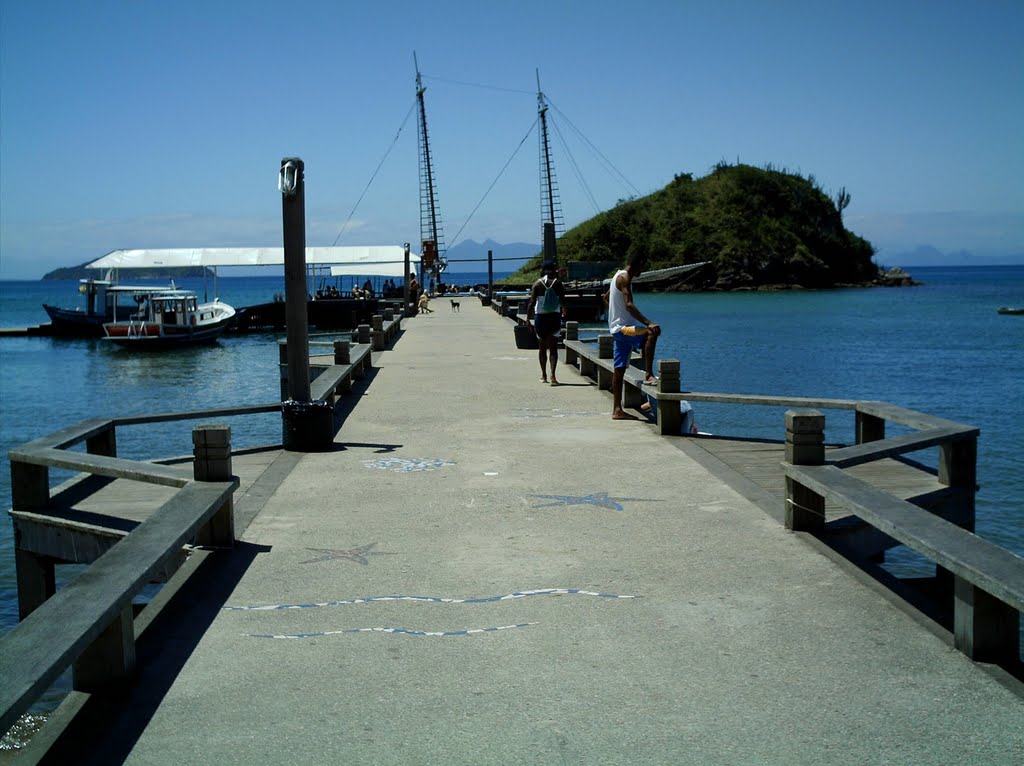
<point x="988" y="589"/>
<point x="988" y="581"/>
<point x="88" y="623"/>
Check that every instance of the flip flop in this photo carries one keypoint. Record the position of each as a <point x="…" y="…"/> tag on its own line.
<point x="651" y="382"/>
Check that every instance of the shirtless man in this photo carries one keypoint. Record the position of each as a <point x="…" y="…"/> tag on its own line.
<point x="630" y="329"/>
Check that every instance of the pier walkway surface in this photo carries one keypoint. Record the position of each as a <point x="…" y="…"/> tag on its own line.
<point x="489" y="570"/>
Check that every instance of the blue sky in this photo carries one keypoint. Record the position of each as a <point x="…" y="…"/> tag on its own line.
<point x="152" y="124"/>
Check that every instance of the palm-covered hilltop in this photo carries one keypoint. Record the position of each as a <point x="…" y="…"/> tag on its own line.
<point x="756" y="228"/>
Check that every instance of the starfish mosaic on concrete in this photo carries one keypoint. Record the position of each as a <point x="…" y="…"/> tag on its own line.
<point x="407" y="465"/>
<point x="599" y="499"/>
<point x="358" y="555"/>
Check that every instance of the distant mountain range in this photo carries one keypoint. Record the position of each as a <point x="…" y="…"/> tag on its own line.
<point x="470" y="255"/>
<point x="926" y="255"/>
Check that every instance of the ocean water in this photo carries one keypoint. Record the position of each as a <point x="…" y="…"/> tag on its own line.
<point x="940" y="348"/>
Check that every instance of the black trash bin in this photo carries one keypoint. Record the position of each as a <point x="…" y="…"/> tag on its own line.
<point x="307" y="426"/>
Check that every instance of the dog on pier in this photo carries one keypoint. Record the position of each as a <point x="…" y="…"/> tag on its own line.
<point x="455" y="306"/>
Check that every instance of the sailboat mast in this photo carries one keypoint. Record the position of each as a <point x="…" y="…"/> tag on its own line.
<point x="550" y="207"/>
<point x="548" y="194"/>
<point x="433" y="256"/>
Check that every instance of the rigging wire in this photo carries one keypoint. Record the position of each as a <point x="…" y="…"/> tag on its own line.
<point x="500" y="173"/>
<point x="375" y="172"/>
<point x="607" y="162"/>
<point x="576" y="169"/>
<point x="477" y="85"/>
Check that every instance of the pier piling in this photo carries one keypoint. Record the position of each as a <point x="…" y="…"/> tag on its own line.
<point x="306" y="425"/>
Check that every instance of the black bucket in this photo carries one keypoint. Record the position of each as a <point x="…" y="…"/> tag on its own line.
<point x="307" y="426"/>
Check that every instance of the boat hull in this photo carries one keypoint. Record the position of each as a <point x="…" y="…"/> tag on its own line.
<point x="151" y="336"/>
<point x="75" y="323"/>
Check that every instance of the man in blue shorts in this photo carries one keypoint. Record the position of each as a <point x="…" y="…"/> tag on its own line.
<point x="630" y="329"/>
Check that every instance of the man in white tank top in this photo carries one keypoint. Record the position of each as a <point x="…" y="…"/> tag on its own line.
<point x="630" y="329"/>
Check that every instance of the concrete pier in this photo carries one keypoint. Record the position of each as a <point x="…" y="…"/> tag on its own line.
<point x="489" y="570"/>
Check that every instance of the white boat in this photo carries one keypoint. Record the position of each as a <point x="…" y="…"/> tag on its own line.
<point x="168" y="318"/>
<point x="101" y="306"/>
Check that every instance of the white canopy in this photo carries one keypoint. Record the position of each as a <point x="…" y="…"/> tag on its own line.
<point x="367" y="260"/>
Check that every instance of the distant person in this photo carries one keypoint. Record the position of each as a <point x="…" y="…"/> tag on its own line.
<point x="367" y="289"/>
<point x="547" y="304"/>
<point x="630" y="329"/>
<point x="414" y="291"/>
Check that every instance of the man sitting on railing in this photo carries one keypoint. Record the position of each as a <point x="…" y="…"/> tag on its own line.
<point x="630" y="329"/>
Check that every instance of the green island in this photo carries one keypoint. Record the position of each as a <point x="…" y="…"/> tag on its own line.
<point x="757" y="229"/>
<point x="80" y="272"/>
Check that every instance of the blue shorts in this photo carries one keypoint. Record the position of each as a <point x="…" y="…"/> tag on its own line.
<point x="625" y="345"/>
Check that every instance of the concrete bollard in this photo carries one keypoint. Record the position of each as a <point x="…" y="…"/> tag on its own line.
<point x="363" y="333"/>
<point x="572" y="332"/>
<point x="670" y="419"/>
<point x="389" y="314"/>
<point x="377" y="333"/>
<point x="805" y="445"/>
<point x="605" y="350"/>
<point x="211" y="449"/>
<point x="342" y="352"/>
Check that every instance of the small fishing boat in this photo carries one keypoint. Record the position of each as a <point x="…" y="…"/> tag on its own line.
<point x="101" y="306"/>
<point x="169" y="318"/>
<point x="1011" y="310"/>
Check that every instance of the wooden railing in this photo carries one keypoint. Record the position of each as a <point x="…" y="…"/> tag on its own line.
<point x="987" y="580"/>
<point x="88" y="624"/>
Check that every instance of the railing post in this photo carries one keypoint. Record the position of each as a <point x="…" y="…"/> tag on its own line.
<point x="670" y="419"/>
<point x="363" y="331"/>
<point x="572" y="332"/>
<point x="984" y="628"/>
<point x="212" y="451"/>
<point x="958" y="467"/>
<point x="605" y="350"/>
<point x="36" y="575"/>
<point x="805" y="445"/>
<point x="869" y="428"/>
<point x="110" y="658"/>
<point x="103" y="443"/>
